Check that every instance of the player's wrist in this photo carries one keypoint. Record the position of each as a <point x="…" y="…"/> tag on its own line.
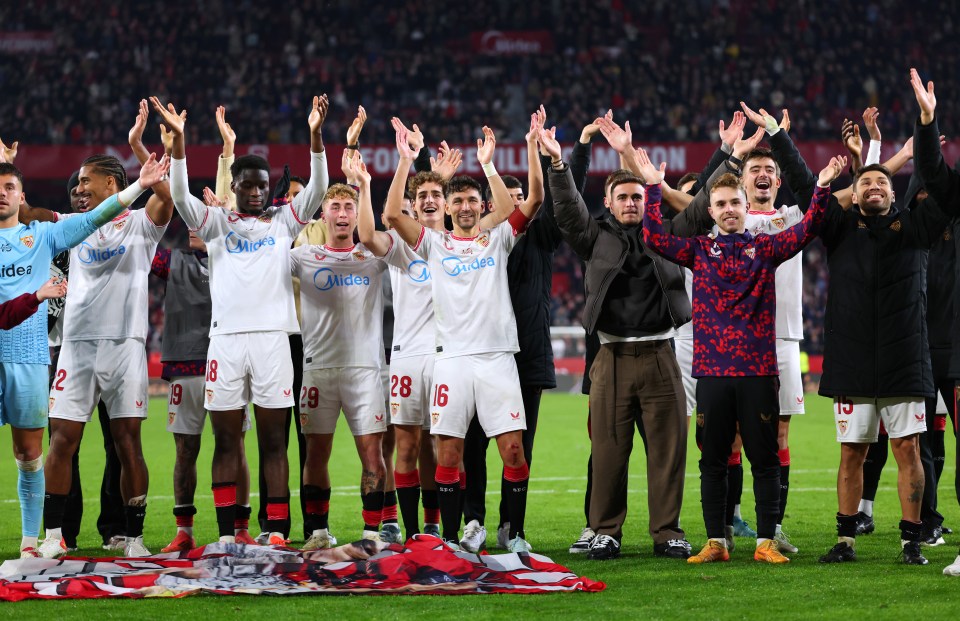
<point x="489" y="170"/>
<point x="129" y="194"/>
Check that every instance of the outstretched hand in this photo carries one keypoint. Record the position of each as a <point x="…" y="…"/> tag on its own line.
<point x="53" y="288"/>
<point x="8" y="154"/>
<point x="135" y="135"/>
<point x="226" y="131"/>
<point x="831" y="171"/>
<point x="212" y="200"/>
<point x="743" y="146"/>
<point x="358" y="171"/>
<point x="548" y="140"/>
<point x="447" y="161"/>
<point x="650" y="173"/>
<point x="925" y="97"/>
<point x="785" y="121"/>
<point x="589" y="130"/>
<point x="353" y="132"/>
<point x="870" y="120"/>
<point x="733" y="132"/>
<point x="318" y="113"/>
<point x="415" y="136"/>
<point x="620" y="138"/>
<point x="403" y="146"/>
<point x="850" y="134"/>
<point x="153" y="172"/>
<point x="171" y="118"/>
<point x="486" y="146"/>
<point x="537" y="119"/>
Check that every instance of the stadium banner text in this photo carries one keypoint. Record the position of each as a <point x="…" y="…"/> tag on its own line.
<point x="59" y="162"/>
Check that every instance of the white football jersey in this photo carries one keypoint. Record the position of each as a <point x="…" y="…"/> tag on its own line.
<point x="109" y="296"/>
<point x="341" y="298"/>
<point x="413" y="324"/>
<point x="250" y="285"/>
<point x="471" y="299"/>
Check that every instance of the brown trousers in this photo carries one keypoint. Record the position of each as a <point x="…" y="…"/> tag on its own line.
<point x="637" y="384"/>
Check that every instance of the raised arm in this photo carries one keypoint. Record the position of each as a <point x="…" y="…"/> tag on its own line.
<point x="850" y="135"/>
<point x="502" y="201"/>
<point x="873" y="130"/>
<point x="160" y="205"/>
<point x="306" y="203"/>
<point x="377" y="241"/>
<point x="679" y="250"/>
<point x="800" y="179"/>
<point x="190" y="208"/>
<point x="578" y="228"/>
<point x="791" y="241"/>
<point x="224" y="179"/>
<point x="941" y="181"/>
<point x="409" y="229"/>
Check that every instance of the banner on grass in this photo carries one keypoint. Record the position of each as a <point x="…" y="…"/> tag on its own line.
<point x="423" y="566"/>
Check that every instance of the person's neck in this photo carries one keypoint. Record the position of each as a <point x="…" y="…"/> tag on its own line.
<point x="9" y="223"/>
<point x="435" y="226"/>
<point x="763" y="207"/>
<point x="467" y="234"/>
<point x="339" y="244"/>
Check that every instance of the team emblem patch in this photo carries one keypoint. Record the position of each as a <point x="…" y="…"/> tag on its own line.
<point x="119" y="225"/>
<point x="303" y="420"/>
<point x="484" y="239"/>
<point x="358" y="255"/>
<point x="171" y="416"/>
<point x="378" y="418"/>
<point x="861" y="224"/>
<point x="52" y="401"/>
<point x="434" y="418"/>
<point x="27" y="240"/>
<point x="799" y="399"/>
<point x="895" y="226"/>
<point x="842" y="426"/>
<point x="699" y="419"/>
<point x="394" y="408"/>
<point x="139" y="403"/>
<point x="715" y="250"/>
<point x="209" y="395"/>
<point x="287" y="392"/>
<point x="750" y="252"/>
<point x="779" y="223"/>
<point x="265" y="218"/>
<point x="765" y="417"/>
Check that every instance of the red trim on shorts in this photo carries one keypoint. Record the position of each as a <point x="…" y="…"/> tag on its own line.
<point x="735" y="459"/>
<point x="516" y="475"/>
<point x="784" y="455"/>
<point x="406" y="479"/>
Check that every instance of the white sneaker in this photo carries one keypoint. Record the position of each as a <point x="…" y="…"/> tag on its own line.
<point x="29" y="553"/>
<point x="783" y="542"/>
<point x="582" y="545"/>
<point x="474" y="537"/>
<point x="431" y="529"/>
<point x="390" y="533"/>
<point x="135" y="548"/>
<point x="953" y="569"/>
<point x="319" y="540"/>
<point x="503" y="536"/>
<point x="117" y="542"/>
<point x="263" y="538"/>
<point x="227" y="539"/>
<point x="52" y="547"/>
<point x="333" y="539"/>
<point x="372" y="535"/>
<point x="519" y="545"/>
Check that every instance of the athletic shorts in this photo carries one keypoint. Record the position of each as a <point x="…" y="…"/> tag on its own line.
<point x="385" y="386"/>
<point x="485" y="384"/>
<point x="684" y="350"/>
<point x="185" y="412"/>
<point x="114" y="370"/>
<point x="858" y="418"/>
<point x="357" y="391"/>
<point x="411" y="387"/>
<point x="23" y="395"/>
<point x="791" y="380"/>
<point x="249" y="367"/>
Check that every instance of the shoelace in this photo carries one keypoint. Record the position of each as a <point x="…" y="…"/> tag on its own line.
<point x="600" y="541"/>
<point x="678" y="543"/>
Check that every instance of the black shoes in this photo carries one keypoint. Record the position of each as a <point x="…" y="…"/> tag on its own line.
<point x="865" y="524"/>
<point x="840" y="553"/>
<point x="604" y="548"/>
<point x="911" y="554"/>
<point x="674" y="548"/>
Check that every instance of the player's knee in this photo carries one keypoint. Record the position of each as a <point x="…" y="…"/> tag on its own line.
<point x="188" y="446"/>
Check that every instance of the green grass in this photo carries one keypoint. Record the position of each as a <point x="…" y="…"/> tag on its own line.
<point x="638" y="585"/>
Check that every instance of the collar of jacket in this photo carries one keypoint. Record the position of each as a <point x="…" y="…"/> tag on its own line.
<point x="880" y="222"/>
<point x="729" y="239"/>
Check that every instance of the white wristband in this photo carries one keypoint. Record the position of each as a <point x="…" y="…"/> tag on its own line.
<point x="489" y="169"/>
<point x="130" y="193"/>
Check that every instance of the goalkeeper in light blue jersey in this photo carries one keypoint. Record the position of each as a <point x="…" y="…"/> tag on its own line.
<point x="25" y="255"/>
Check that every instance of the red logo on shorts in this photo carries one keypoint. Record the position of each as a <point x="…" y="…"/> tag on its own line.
<point x="800" y="400"/>
<point x="379" y="419"/>
<point x="139" y="404"/>
<point x="515" y="415"/>
<point x="286" y="393"/>
<point x="920" y="417"/>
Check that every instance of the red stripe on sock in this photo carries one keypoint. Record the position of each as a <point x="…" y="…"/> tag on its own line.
<point x="318" y="507"/>
<point x="431" y="516"/>
<point x="515" y="475"/>
<point x="224" y="495"/>
<point x="940" y="422"/>
<point x="448" y="475"/>
<point x="241" y="524"/>
<point x="784" y="455"/>
<point x="371" y="518"/>
<point x="185" y="521"/>
<point x="734" y="459"/>
<point x="389" y="513"/>
<point x="407" y="479"/>
<point x="278" y="511"/>
<point x="463" y="479"/>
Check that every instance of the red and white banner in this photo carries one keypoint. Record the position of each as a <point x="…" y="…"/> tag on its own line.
<point x="512" y="42"/>
<point x="59" y="162"/>
<point x="424" y="566"/>
<point x="27" y="42"/>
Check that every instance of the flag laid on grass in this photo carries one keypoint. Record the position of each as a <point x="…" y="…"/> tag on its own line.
<point x="422" y="566"/>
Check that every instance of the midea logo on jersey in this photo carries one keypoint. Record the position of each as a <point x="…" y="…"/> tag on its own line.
<point x="12" y="271"/>
<point x="88" y="254"/>
<point x="418" y="271"/>
<point x="324" y="279"/>
<point x="454" y="266"/>
<point x="236" y="244"/>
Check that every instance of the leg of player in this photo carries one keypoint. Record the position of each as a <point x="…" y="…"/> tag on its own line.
<point x="134" y="480"/>
<point x="849" y="492"/>
<point x="873" y="465"/>
<point x="407" y="476"/>
<point x="271" y="425"/>
<point x="27" y="451"/>
<point x="783" y="452"/>
<point x="531" y="409"/>
<point x="372" y="481"/>
<point x="583" y="542"/>
<point x="227" y="444"/>
<point x="517" y="473"/>
<point x="428" y="486"/>
<point x="184" y="488"/>
<point x="241" y="525"/>
<point x="65" y="436"/>
<point x="390" y="528"/>
<point x="717" y="406"/>
<point x="316" y="486"/>
<point x="111" y="521"/>
<point x="474" y="485"/>
<point x="906" y="451"/>
<point x="741" y="528"/>
<point x="449" y="457"/>
<point x="932" y="519"/>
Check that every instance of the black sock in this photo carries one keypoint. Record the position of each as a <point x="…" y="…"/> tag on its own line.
<point x="390" y="507"/>
<point x="873" y="467"/>
<point x="135" y="514"/>
<point x="448" y="496"/>
<point x="517" y="505"/>
<point x="846" y="525"/>
<point x="314" y="518"/>
<point x="225" y="501"/>
<point x="734" y="491"/>
<point x="784" y="489"/>
<point x="408" y="499"/>
<point x="372" y="510"/>
<point x="53" y="507"/>
<point x="910" y="531"/>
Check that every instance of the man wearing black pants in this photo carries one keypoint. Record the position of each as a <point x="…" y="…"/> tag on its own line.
<point x="530" y="277"/>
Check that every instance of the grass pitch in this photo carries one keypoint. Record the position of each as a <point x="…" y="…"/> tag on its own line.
<point x="638" y="584"/>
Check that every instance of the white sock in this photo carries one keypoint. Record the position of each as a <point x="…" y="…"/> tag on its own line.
<point x="847" y="540"/>
<point x="866" y="506"/>
<point x="721" y="541"/>
<point x="186" y="529"/>
<point x="761" y="541"/>
<point x="28" y="542"/>
<point x="736" y="511"/>
<point x="55" y="533"/>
